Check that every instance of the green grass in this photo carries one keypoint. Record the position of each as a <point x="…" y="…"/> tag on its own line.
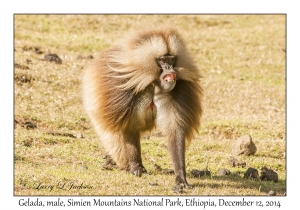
<point x="241" y="58"/>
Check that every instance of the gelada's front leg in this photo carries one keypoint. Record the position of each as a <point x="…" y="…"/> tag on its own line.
<point x="176" y="147"/>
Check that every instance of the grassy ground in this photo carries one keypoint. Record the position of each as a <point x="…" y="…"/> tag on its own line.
<point x="241" y="58"/>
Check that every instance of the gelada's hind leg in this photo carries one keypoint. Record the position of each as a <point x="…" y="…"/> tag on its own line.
<point x="133" y="153"/>
<point x="127" y="153"/>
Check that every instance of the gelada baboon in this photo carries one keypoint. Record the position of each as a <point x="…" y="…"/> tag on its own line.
<point x="147" y="80"/>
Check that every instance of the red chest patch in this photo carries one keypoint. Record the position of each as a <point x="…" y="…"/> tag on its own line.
<point x="151" y="105"/>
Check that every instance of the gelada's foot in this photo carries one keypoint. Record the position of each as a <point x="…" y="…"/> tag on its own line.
<point x="180" y="185"/>
<point x="137" y="169"/>
<point x="109" y="163"/>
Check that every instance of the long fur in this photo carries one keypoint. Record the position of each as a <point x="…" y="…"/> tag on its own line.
<point x="118" y="91"/>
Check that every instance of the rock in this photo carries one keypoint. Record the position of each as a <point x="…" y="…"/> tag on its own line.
<point x="21" y="66"/>
<point x="244" y="145"/>
<point x="156" y="168"/>
<point x="15" y="122"/>
<point x="52" y="58"/>
<point x="28" y="125"/>
<point x="35" y="49"/>
<point x="234" y="162"/>
<point x="54" y="133"/>
<point x="83" y="57"/>
<point x="198" y="173"/>
<point x="23" y="78"/>
<point x="223" y="172"/>
<point x="272" y="193"/>
<point x="268" y="175"/>
<point x="251" y="173"/>
<point x="153" y="183"/>
<point x="167" y="171"/>
<point x="79" y="136"/>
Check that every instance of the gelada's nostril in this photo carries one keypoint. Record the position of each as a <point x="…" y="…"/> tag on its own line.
<point x="170" y="77"/>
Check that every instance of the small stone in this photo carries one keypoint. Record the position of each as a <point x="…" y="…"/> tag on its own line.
<point x="199" y="173"/>
<point x="244" y="145"/>
<point x="234" y="162"/>
<point x="167" y="171"/>
<point x="37" y="50"/>
<point x="53" y="58"/>
<point x="272" y="193"/>
<point x="54" y="133"/>
<point x="153" y="184"/>
<point x="268" y="175"/>
<point x="28" y="125"/>
<point x="241" y="164"/>
<point x="23" y="78"/>
<point x="251" y="173"/>
<point x="79" y="136"/>
<point x="223" y="172"/>
<point x="21" y="66"/>
<point x="79" y="57"/>
<point x="156" y="168"/>
<point x="15" y="122"/>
